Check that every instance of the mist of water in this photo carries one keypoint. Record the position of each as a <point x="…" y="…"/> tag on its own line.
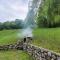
<point x="27" y="32"/>
<point x="29" y="21"/>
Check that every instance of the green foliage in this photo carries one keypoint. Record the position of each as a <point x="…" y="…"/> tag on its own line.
<point x="49" y="14"/>
<point x="17" y="24"/>
<point x="48" y="38"/>
<point x="1" y="26"/>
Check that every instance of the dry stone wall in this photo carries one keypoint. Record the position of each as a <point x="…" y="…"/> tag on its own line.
<point x="40" y="53"/>
<point x="18" y="45"/>
<point x="37" y="52"/>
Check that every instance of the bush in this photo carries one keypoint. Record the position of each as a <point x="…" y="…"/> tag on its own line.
<point x="17" y="24"/>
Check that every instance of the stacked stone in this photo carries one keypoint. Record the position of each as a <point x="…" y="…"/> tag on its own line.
<point x="18" y="45"/>
<point x="6" y="47"/>
<point x="37" y="52"/>
<point x="40" y="53"/>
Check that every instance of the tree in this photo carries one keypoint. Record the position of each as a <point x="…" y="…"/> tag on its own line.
<point x="19" y="23"/>
<point x="1" y="26"/>
<point x="49" y="14"/>
<point x="6" y="25"/>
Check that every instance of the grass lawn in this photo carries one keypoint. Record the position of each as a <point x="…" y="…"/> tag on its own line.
<point x="47" y="38"/>
<point x="8" y="36"/>
<point x="14" y="55"/>
<point x="11" y="37"/>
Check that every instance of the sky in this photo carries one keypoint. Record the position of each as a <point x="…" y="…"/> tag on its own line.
<point x="13" y="9"/>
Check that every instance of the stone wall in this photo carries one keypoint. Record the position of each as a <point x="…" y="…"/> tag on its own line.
<point x="18" y="46"/>
<point x="40" y="53"/>
<point x="37" y="52"/>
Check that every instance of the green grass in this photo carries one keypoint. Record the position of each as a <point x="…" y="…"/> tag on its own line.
<point x="11" y="37"/>
<point x="47" y="38"/>
<point x="8" y="36"/>
<point x="14" y="55"/>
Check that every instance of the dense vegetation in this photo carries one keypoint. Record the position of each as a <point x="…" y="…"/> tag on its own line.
<point x="49" y="14"/>
<point x="47" y="38"/>
<point x="17" y="24"/>
<point x="8" y="37"/>
<point x="14" y="55"/>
